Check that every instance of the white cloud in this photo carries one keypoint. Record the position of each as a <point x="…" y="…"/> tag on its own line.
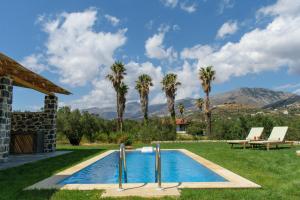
<point x="135" y="69"/>
<point x="290" y="87"/>
<point x="225" y="4"/>
<point x="184" y="5"/>
<point x="283" y="8"/>
<point x="112" y="19"/>
<point x="170" y="3"/>
<point x="248" y="55"/>
<point x="267" y="49"/>
<point x="228" y="28"/>
<point x="297" y="91"/>
<point x="103" y="95"/>
<point x="80" y="54"/>
<point x="287" y="86"/>
<point x="190" y="84"/>
<point x="155" y="48"/>
<point x="188" y="8"/>
<point x="76" y="51"/>
<point x="149" y="25"/>
<point x="175" y="27"/>
<point x="33" y="62"/>
<point x="198" y="51"/>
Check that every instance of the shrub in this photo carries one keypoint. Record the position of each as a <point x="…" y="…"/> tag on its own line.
<point x="126" y="139"/>
<point x="101" y="137"/>
<point x="196" y="128"/>
<point x="69" y="123"/>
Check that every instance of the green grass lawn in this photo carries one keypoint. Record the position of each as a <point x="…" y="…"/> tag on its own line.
<point x="277" y="171"/>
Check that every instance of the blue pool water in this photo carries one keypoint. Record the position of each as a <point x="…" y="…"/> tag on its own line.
<point x="176" y="167"/>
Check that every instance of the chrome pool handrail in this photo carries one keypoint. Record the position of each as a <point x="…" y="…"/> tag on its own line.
<point x="122" y="163"/>
<point x="158" y="165"/>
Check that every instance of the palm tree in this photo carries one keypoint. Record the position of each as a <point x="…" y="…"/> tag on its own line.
<point x="181" y="109"/>
<point x="199" y="104"/>
<point x="169" y="86"/>
<point x="116" y="77"/>
<point x="143" y="85"/>
<point x="123" y="90"/>
<point x="207" y="75"/>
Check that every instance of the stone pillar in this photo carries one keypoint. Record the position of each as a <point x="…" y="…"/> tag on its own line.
<point x="50" y="109"/>
<point x="6" y="93"/>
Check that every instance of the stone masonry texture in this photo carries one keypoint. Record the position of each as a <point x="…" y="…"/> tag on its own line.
<point x="41" y="123"/>
<point x="6" y="92"/>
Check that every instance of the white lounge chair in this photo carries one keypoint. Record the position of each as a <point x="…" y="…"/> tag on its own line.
<point x="276" y="137"/>
<point x="298" y="153"/>
<point x="254" y="134"/>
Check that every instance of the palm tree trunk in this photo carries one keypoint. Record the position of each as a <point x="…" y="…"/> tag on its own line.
<point x="208" y="115"/>
<point x="173" y="114"/>
<point x="121" y="106"/>
<point x="118" y="111"/>
<point x="209" y="124"/>
<point x="145" y="109"/>
<point x="121" y="124"/>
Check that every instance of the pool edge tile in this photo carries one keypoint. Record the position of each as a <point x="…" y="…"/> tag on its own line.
<point x="234" y="180"/>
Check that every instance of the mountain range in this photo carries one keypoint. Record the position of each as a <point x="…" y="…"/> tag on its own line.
<point x="256" y="97"/>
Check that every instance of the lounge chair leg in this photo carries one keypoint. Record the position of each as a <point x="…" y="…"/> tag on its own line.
<point x="268" y="146"/>
<point x="244" y="145"/>
<point x="276" y="146"/>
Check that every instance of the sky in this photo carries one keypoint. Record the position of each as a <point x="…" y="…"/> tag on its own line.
<point x="250" y="43"/>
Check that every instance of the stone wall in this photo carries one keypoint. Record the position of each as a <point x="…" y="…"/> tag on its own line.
<point x="6" y="92"/>
<point x="27" y="122"/>
<point x="50" y="109"/>
<point x="40" y="123"/>
<point x="30" y="123"/>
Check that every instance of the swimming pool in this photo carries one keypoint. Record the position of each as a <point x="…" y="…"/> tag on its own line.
<point x="176" y="167"/>
<point x="180" y="169"/>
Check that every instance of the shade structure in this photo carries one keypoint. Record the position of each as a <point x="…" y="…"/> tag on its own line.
<point x="24" y="77"/>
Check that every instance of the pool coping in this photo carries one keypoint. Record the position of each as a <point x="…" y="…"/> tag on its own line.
<point x="233" y="180"/>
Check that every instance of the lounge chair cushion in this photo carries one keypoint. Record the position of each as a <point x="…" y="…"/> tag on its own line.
<point x="278" y="134"/>
<point x="255" y="133"/>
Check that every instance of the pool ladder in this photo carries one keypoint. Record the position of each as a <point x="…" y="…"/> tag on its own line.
<point x="122" y="164"/>
<point x="158" y="165"/>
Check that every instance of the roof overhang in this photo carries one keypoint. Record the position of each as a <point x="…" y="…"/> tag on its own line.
<point x="24" y="77"/>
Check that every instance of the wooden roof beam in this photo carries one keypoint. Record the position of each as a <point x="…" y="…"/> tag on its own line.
<point x="22" y="83"/>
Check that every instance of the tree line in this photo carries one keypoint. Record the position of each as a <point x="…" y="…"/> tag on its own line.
<point x="73" y="126"/>
<point x="170" y="86"/>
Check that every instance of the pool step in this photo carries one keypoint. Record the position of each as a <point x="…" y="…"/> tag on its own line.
<point x="147" y="149"/>
<point x="141" y="191"/>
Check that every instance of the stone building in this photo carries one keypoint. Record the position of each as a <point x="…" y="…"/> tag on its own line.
<point x="26" y="132"/>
